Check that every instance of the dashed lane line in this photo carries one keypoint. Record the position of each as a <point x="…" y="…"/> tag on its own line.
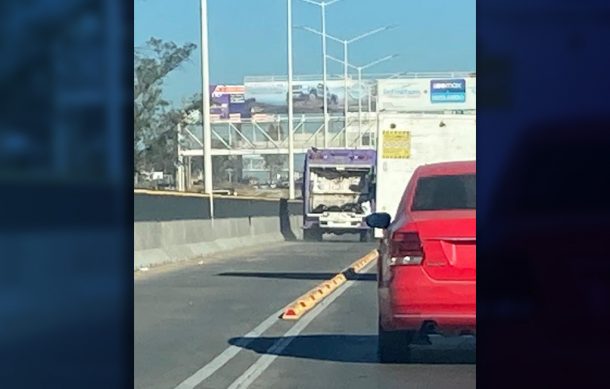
<point x="229" y="353"/>
<point x="254" y="371"/>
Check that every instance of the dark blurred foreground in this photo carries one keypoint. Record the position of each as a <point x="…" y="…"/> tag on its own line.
<point x="543" y="142"/>
<point x="543" y="294"/>
<point x="65" y="112"/>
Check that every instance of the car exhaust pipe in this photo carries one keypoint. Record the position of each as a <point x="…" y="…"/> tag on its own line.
<point x="426" y="329"/>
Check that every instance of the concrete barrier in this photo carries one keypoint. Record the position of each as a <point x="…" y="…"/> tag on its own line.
<point x="176" y="227"/>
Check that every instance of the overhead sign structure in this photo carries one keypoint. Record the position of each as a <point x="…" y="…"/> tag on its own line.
<point x="426" y="94"/>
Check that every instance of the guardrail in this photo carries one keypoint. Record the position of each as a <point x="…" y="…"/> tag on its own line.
<point x="270" y="136"/>
<point x="175" y="226"/>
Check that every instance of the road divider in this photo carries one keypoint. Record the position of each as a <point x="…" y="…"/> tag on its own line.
<point x="304" y="303"/>
<point x="362" y="262"/>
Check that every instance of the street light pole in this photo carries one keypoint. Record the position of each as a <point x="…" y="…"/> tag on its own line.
<point x="291" y="194"/>
<point x="360" y="103"/>
<point x="345" y="87"/>
<point x="180" y="169"/>
<point x="360" y="69"/>
<point x="205" y="94"/>
<point x="345" y="43"/>
<point x="324" y="77"/>
<point x="323" y="6"/>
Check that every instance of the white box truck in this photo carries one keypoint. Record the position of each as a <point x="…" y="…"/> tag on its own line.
<point x="408" y="140"/>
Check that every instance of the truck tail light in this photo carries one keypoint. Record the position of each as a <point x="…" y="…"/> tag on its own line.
<point x="406" y="249"/>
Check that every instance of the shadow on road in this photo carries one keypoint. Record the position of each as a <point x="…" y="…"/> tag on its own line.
<point x="301" y="276"/>
<point x="356" y="349"/>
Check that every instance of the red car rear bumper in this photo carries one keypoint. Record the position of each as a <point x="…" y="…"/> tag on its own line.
<point x="413" y="299"/>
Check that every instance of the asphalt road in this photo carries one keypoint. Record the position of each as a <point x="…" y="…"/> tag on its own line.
<point x="215" y="325"/>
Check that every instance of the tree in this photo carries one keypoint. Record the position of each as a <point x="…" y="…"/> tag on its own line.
<point x="155" y="125"/>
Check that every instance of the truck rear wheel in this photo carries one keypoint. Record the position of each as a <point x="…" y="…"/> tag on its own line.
<point x="366" y="236"/>
<point x="312" y="235"/>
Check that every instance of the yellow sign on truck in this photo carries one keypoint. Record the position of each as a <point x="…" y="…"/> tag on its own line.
<point x="396" y="144"/>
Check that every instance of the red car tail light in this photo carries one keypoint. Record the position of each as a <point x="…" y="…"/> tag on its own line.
<point x="406" y="249"/>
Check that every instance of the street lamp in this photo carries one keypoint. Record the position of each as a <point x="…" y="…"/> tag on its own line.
<point x="323" y="6"/>
<point x="360" y="69"/>
<point x="345" y="43"/>
<point x="205" y="94"/>
<point x="291" y="191"/>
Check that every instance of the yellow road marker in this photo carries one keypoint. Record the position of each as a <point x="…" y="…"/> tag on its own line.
<point x="301" y="305"/>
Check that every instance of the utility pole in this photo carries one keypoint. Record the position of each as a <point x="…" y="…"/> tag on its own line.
<point x="291" y="191"/>
<point x="205" y="112"/>
<point x="323" y="6"/>
<point x="345" y="43"/>
<point x="180" y="168"/>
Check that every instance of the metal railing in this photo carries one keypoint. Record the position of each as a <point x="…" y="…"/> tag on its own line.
<point x="250" y="136"/>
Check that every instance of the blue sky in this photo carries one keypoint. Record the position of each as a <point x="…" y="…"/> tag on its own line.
<point x="248" y="37"/>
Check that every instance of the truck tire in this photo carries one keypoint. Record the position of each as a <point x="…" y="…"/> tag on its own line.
<point x="393" y="346"/>
<point x="312" y="235"/>
<point x="366" y="236"/>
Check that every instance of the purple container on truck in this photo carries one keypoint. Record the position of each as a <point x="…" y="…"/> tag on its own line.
<point x="338" y="192"/>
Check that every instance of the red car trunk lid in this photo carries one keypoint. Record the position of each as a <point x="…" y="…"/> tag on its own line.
<point x="449" y="245"/>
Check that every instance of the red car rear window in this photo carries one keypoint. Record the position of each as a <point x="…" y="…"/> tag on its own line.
<point x="436" y="193"/>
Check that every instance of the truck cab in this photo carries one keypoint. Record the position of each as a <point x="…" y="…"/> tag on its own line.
<point x="338" y="192"/>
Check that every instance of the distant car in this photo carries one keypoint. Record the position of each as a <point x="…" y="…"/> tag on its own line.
<point x="427" y="262"/>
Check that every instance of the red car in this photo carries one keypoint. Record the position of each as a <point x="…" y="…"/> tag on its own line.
<point x="427" y="263"/>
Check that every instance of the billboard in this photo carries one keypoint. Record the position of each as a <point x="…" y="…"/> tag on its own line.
<point x="228" y="102"/>
<point x="448" y="91"/>
<point x="271" y="97"/>
<point x="426" y="94"/>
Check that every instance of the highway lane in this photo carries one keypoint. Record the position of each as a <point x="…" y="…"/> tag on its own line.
<point x="185" y="316"/>
<point x="338" y="350"/>
<point x="195" y="322"/>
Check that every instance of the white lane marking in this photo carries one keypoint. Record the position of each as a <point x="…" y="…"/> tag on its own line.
<point x="229" y="353"/>
<point x="262" y="363"/>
